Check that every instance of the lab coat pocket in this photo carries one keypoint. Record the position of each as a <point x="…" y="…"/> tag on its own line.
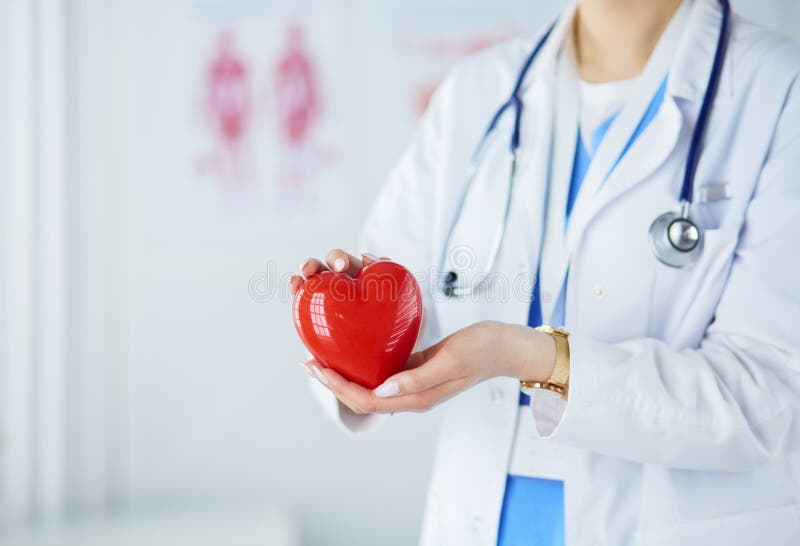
<point x="710" y="215"/>
<point x="779" y="526"/>
<point x="678" y="291"/>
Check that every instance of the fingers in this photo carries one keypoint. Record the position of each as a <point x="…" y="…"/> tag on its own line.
<point x="308" y="366"/>
<point x="372" y="258"/>
<point x="422" y="401"/>
<point x="309" y="267"/>
<point x="295" y="282"/>
<point x="312" y="266"/>
<point x="337" y="260"/>
<point x="342" y="262"/>
<point x="364" y="401"/>
<point x="426" y="372"/>
<point x="367" y="259"/>
<point x="421" y="357"/>
<point x="353" y="395"/>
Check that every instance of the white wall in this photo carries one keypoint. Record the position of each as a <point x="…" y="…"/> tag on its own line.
<point x="783" y="15"/>
<point x="217" y="408"/>
<point x="33" y="291"/>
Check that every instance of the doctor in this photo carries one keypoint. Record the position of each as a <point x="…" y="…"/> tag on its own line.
<point x="637" y="192"/>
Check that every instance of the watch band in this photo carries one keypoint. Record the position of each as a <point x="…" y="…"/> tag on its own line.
<point x="559" y="379"/>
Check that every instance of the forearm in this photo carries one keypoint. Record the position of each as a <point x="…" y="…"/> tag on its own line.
<point x="729" y="405"/>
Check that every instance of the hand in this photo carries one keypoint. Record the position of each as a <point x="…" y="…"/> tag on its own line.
<point x="337" y="260"/>
<point x="468" y="357"/>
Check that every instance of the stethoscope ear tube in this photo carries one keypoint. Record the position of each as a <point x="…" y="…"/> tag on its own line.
<point x="449" y="279"/>
<point x="693" y="158"/>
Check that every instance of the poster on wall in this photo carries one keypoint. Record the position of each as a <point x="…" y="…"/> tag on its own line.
<point x="266" y="121"/>
<point x="416" y="43"/>
<point x="429" y="53"/>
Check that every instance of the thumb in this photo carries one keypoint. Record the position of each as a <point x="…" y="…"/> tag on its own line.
<point x="426" y="369"/>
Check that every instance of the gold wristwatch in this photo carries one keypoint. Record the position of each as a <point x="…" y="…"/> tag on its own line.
<point x="558" y="384"/>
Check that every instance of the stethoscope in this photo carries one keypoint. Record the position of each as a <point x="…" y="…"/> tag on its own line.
<point x="676" y="240"/>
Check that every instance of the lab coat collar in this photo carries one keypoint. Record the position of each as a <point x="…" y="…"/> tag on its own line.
<point x="554" y="253"/>
<point x="546" y="63"/>
<point x="694" y="58"/>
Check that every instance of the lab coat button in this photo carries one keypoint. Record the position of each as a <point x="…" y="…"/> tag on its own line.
<point x="476" y="522"/>
<point x="497" y="395"/>
<point x="598" y="292"/>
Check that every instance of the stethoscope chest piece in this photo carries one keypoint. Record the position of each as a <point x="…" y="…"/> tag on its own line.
<point x="676" y="240"/>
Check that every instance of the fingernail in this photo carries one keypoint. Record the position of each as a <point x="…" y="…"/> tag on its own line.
<point x="339" y="264"/>
<point x="303" y="265"/>
<point x="306" y="367"/>
<point x="371" y="257"/>
<point x="318" y="374"/>
<point x="388" y="389"/>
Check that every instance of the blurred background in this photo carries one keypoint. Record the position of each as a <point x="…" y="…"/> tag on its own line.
<point x="164" y="166"/>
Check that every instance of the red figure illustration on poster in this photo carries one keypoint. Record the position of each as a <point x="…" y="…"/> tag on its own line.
<point x="228" y="113"/>
<point x="296" y="89"/>
<point x="298" y="110"/>
<point x="272" y="134"/>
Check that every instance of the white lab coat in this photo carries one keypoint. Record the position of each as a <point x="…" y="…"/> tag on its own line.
<point x="683" y="419"/>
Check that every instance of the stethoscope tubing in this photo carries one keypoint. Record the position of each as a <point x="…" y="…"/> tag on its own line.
<point x="686" y="197"/>
<point x="516" y="101"/>
<point x="693" y="158"/>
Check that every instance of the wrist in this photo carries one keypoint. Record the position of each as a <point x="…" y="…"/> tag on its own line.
<point x="534" y="355"/>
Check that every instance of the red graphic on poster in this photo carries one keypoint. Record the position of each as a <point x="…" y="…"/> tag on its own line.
<point x="228" y="111"/>
<point x="297" y="94"/>
<point x="296" y="88"/>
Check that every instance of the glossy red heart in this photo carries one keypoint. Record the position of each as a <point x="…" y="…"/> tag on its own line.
<point x="364" y="327"/>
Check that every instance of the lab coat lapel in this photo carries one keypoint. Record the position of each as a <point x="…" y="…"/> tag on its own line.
<point x="602" y="184"/>
<point x="557" y="249"/>
<point x="555" y="255"/>
<point x="650" y="151"/>
<point x="528" y="211"/>
<point x="695" y="55"/>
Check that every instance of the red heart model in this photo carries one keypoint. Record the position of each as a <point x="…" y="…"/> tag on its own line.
<point x="364" y="327"/>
